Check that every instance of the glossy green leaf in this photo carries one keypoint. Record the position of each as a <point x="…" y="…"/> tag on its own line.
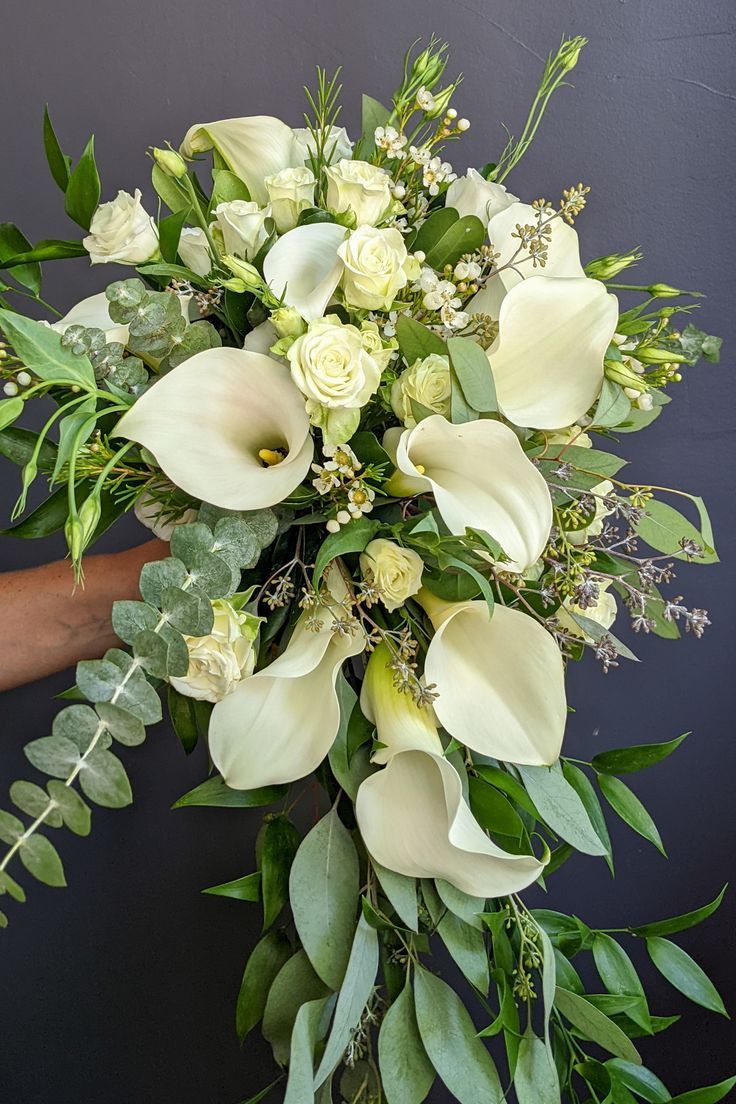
<point x="594" y="1025"/>
<point x="50" y="249"/>
<point x="10" y="410"/>
<point x="18" y="445"/>
<point x="684" y="974"/>
<point x="13" y="243"/>
<point x="636" y="757"/>
<point x="323" y="890"/>
<point x="683" y="922"/>
<point x="40" y="349"/>
<point x="617" y="972"/>
<point x="630" y="809"/>
<point x="278" y="844"/>
<point x="710" y="1095"/>
<point x="83" y="190"/>
<point x="406" y="1071"/>
<point x="452" y="1045"/>
<point x="355" y="992"/>
<point x="639" y="1079"/>
<point x="266" y="959"/>
<point x="240" y="889"/>
<point x="351" y="538"/>
<point x="169" y="233"/>
<point x="417" y="342"/>
<point x="214" y="793"/>
<point x="59" y="164"/>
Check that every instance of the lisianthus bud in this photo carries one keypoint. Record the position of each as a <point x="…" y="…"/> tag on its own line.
<point x="619" y="371"/>
<point x="605" y="268"/>
<point x="288" y="322"/>
<point x="569" y="52"/>
<point x="170" y="162"/>
<point x="250" y="276"/>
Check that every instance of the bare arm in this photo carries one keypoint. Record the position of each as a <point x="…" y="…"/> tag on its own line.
<point x="46" y="625"/>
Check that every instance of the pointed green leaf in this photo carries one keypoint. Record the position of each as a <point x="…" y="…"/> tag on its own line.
<point x="594" y="1025"/>
<point x="684" y="973"/>
<point x="266" y="959"/>
<point x="40" y="349"/>
<point x="13" y="243"/>
<point x="473" y="370"/>
<point x="355" y="992"/>
<point x="57" y="161"/>
<point x="680" y="923"/>
<point x="83" y="189"/>
<point x="561" y="808"/>
<point x="710" y="1095"/>
<point x="635" y="758"/>
<point x="630" y="809"/>
<point x="213" y="793"/>
<point x="639" y="1079"/>
<point x="401" y="892"/>
<point x="241" y="889"/>
<point x="406" y="1071"/>
<point x="278" y="842"/>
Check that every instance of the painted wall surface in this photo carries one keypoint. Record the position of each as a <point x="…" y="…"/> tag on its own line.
<point x="121" y="988"/>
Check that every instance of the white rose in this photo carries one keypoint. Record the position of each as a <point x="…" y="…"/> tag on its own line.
<point x="601" y="491"/>
<point x="122" y="231"/>
<point x="382" y="353"/>
<point x="395" y="571"/>
<point x="331" y="366"/>
<point x="338" y="144"/>
<point x="603" y="612"/>
<point x="570" y="435"/>
<point x="242" y="225"/>
<point x="291" y="191"/>
<point x="218" y="661"/>
<point x="426" y="382"/>
<point x="374" y="267"/>
<point x="162" y="521"/>
<point x="473" y="195"/>
<point x="360" y="187"/>
<point x="194" y="250"/>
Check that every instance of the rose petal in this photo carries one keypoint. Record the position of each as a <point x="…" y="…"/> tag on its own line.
<point x="413" y="820"/>
<point x="206" y="421"/>
<point x="547" y="360"/>
<point x="303" y="267"/>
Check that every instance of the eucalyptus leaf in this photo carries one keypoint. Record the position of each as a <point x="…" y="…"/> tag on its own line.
<point x="158" y="575"/>
<point x="355" y="992"/>
<point x="561" y="808"/>
<point x="130" y="618"/>
<point x="122" y="725"/>
<point x="54" y="755"/>
<point x="294" y="985"/>
<point x="406" y="1071"/>
<point x="41" y="859"/>
<point x="665" y="528"/>
<point x="104" y="781"/>
<point x="32" y="800"/>
<point x="73" y="809"/>
<point x="417" y="342"/>
<point x="466" y="946"/>
<point x="594" y="1025"/>
<point x="306" y="1031"/>
<point x="535" y="1076"/>
<point x="473" y="371"/>
<point x="401" y="892"/>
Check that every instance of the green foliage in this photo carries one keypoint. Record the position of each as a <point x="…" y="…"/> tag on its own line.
<point x="82" y="193"/>
<point x="406" y="1071"/>
<point x="355" y="992"/>
<point x="684" y="973"/>
<point x="265" y="962"/>
<point x="156" y="324"/>
<point x="561" y="807"/>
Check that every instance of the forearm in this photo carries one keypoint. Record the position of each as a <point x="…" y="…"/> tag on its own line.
<point x="46" y="625"/>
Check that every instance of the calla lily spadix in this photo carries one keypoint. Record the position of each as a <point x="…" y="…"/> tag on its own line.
<point x="547" y="360"/>
<point x="279" y="724"/>
<point x="227" y="426"/>
<point x="412" y="814"/>
<point x="253" y="148"/>
<point x="499" y="680"/>
<point x="481" y="479"/>
<point x="303" y="267"/>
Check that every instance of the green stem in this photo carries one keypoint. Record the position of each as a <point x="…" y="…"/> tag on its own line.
<point x="199" y="215"/>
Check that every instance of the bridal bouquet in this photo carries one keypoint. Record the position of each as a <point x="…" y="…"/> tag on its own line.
<point x="375" y="406"/>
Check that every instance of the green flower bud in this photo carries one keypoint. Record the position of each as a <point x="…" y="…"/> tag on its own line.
<point x="244" y="271"/>
<point x="622" y="373"/>
<point x="288" y="322"/>
<point x="666" y="291"/>
<point x="170" y="162"/>
<point x="89" y="516"/>
<point x="74" y="538"/>
<point x="660" y="356"/>
<point x="605" y="268"/>
<point x="569" y="52"/>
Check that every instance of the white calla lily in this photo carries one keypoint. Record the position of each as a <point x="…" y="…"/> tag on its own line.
<point x="303" y="267"/>
<point x="562" y="245"/>
<point x="227" y="426"/>
<point x="93" y="313"/>
<point x="279" y="724"/>
<point x="413" y="820"/>
<point x="412" y="814"/>
<point x="260" y="339"/>
<point x="481" y="479"/>
<point x="253" y="148"/>
<point x="499" y="680"/>
<point x="547" y="360"/>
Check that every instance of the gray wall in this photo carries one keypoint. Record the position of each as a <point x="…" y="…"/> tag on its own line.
<point x="121" y="987"/>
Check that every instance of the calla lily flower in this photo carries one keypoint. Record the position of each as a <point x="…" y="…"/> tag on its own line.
<point x="304" y="269"/>
<point x="279" y="724"/>
<point x="253" y="148"/>
<point x="93" y="313"/>
<point x="412" y="815"/>
<point x="481" y="479"/>
<point x="227" y="426"/>
<point x="499" y="680"/>
<point x="547" y="360"/>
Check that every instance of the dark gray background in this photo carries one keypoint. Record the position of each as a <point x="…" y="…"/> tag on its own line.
<point x="121" y="987"/>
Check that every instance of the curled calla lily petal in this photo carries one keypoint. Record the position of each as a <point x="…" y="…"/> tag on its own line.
<point x="547" y="360"/>
<point x="227" y="426"/>
<point x="481" y="479"/>
<point x="279" y="724"/>
<point x="93" y="313"/>
<point x="253" y="147"/>
<point x="260" y="339"/>
<point x="414" y="821"/>
<point x="400" y="723"/>
<point x="303" y="267"/>
<point x="499" y="680"/>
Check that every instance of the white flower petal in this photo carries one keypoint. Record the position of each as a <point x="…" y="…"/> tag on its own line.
<point x="303" y="267"/>
<point x="279" y="724"/>
<point x="547" y="360"/>
<point x="414" y="821"/>
<point x="481" y="479"/>
<point x="400" y="723"/>
<point x="93" y="313"/>
<point x="253" y="147"/>
<point x="563" y="248"/>
<point x="260" y="339"/>
<point x="206" y="421"/>
<point x="500" y="681"/>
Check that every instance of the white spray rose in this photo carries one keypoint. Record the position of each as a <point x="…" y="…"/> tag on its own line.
<point x="194" y="250"/>
<point x="331" y="366"/>
<point x="374" y="267"/>
<point x="395" y="571"/>
<point x="291" y="191"/>
<point x="473" y="195"/>
<point x="373" y="343"/>
<point x="218" y="661"/>
<point x="242" y="226"/>
<point x="360" y="187"/>
<point x="122" y="231"/>
<point x="337" y="147"/>
<point x="426" y="382"/>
